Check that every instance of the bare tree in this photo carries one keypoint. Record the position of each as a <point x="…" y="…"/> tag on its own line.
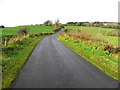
<point x="57" y="22"/>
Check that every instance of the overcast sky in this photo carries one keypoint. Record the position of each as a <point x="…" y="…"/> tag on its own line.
<point x="26" y="12"/>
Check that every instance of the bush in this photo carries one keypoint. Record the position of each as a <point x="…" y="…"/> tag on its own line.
<point x="2" y="26"/>
<point x="78" y="24"/>
<point x="61" y="26"/>
<point x="56" y="30"/>
<point x="111" y="49"/>
<point x="40" y="34"/>
<point x="23" y="31"/>
<point x="48" y="23"/>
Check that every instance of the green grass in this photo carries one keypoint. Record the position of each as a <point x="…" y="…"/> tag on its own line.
<point x="93" y="49"/>
<point x="10" y="31"/>
<point x="14" y="57"/>
<point x="32" y="29"/>
<point x="112" y="40"/>
<point x="97" y="32"/>
<point x="87" y="49"/>
<point x="94" y="31"/>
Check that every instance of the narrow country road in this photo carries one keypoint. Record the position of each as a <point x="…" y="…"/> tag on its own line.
<point x="53" y="65"/>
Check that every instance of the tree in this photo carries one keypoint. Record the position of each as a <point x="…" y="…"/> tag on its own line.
<point x="57" y="22"/>
<point x="78" y="24"/>
<point x="2" y="26"/>
<point x="48" y="23"/>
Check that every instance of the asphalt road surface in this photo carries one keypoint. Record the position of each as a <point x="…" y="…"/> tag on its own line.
<point x="53" y="65"/>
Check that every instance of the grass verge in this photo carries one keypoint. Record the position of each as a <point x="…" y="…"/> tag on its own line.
<point x="93" y="52"/>
<point x="14" y="57"/>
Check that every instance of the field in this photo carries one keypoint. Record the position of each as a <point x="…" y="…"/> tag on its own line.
<point x="15" y="54"/>
<point x="100" y="51"/>
<point x="32" y="29"/>
<point x="97" y="45"/>
<point x="97" y="32"/>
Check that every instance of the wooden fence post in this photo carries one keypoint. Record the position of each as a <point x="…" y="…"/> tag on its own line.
<point x="5" y="41"/>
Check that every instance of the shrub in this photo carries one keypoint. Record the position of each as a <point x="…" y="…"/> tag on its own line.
<point x="78" y="24"/>
<point x="23" y="31"/>
<point x="112" y="49"/>
<point x="48" y="23"/>
<point x="61" y="26"/>
<point x="56" y="30"/>
<point x="2" y="26"/>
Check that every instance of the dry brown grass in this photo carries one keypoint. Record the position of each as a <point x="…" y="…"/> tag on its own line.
<point x="14" y="39"/>
<point x="21" y="37"/>
<point x="86" y="37"/>
<point x="80" y="34"/>
<point x="113" y="33"/>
